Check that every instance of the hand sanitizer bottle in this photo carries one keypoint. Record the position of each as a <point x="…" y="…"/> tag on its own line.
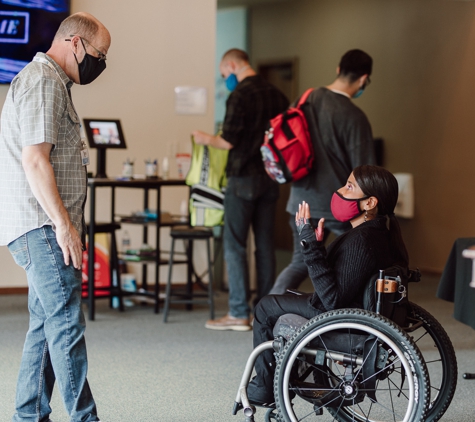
<point x="125" y="241"/>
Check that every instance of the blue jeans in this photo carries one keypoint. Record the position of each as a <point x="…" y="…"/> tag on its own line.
<point x="292" y="276"/>
<point x="249" y="201"/>
<point x="55" y="348"/>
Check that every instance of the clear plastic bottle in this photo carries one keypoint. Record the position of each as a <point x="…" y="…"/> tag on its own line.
<point x="184" y="210"/>
<point x="165" y="168"/>
<point x="125" y="241"/>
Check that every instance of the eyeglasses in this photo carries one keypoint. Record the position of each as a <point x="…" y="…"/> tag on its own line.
<point x="101" y="55"/>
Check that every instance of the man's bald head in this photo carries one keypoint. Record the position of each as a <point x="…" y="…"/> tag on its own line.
<point x="81" y="23"/>
<point x="236" y="55"/>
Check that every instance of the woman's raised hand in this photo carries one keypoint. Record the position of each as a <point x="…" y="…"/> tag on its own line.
<point x="304" y="210"/>
<point x="319" y="231"/>
<point x="303" y="215"/>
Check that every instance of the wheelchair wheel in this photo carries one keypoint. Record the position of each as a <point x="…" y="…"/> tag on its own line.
<point x="358" y="365"/>
<point x="271" y="416"/>
<point x="440" y="359"/>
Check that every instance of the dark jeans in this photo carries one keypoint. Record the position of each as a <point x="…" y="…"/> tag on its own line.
<point x="292" y="276"/>
<point x="267" y="312"/>
<point x="249" y="202"/>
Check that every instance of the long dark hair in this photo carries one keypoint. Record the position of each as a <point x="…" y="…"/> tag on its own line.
<point x="380" y="183"/>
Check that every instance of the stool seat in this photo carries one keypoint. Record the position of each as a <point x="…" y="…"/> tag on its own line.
<point x="186" y="232"/>
<point x="105" y="227"/>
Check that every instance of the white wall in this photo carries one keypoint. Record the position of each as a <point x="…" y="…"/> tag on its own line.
<point x="156" y="45"/>
<point x="231" y="32"/>
<point x="421" y="99"/>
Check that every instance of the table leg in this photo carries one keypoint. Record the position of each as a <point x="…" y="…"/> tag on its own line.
<point x="157" y="256"/>
<point x="145" y="240"/>
<point x="91" y="255"/>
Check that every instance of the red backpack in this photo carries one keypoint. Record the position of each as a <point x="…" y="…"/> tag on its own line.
<point x="287" y="150"/>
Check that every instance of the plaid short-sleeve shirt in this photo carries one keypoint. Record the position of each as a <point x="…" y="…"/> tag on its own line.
<point x="39" y="109"/>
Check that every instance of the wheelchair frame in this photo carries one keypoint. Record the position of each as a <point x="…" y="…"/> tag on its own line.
<point x="433" y="395"/>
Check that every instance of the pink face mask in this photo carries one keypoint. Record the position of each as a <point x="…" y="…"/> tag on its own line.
<point x="345" y="209"/>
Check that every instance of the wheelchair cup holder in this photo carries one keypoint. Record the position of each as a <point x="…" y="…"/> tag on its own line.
<point x="387" y="284"/>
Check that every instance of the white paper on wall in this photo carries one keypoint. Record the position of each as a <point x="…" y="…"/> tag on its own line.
<point x="405" y="202"/>
<point x="190" y="100"/>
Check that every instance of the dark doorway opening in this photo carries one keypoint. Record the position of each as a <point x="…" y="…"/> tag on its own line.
<point x="283" y="74"/>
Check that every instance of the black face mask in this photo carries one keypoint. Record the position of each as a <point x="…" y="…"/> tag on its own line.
<point x="90" y="67"/>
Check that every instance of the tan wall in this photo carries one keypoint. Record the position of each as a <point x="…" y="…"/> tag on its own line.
<point x="421" y="100"/>
<point x="156" y="45"/>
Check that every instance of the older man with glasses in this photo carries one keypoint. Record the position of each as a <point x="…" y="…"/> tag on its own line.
<point x="43" y="186"/>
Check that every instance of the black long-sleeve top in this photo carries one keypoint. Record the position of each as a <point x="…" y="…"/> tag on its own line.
<point x="340" y="273"/>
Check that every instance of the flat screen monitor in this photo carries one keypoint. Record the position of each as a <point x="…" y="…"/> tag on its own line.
<point x="27" y="27"/>
<point x="103" y="134"/>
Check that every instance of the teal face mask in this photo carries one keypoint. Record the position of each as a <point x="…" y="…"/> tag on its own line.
<point x="359" y="93"/>
<point x="231" y="82"/>
<point x="361" y="90"/>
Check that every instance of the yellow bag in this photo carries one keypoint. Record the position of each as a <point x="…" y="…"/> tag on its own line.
<point x="207" y="178"/>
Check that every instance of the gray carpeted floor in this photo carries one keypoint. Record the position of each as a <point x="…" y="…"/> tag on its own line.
<point x="141" y="369"/>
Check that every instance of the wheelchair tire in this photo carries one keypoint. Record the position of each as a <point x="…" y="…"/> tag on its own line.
<point x="440" y="359"/>
<point x="311" y="376"/>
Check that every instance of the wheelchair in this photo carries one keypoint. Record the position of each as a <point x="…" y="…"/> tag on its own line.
<point x="391" y="361"/>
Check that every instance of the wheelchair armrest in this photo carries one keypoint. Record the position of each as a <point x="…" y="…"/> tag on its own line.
<point x="414" y="276"/>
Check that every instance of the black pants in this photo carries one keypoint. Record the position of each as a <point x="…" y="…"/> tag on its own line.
<point x="266" y="314"/>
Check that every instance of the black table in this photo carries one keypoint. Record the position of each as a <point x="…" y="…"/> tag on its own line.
<point x="454" y="285"/>
<point x="146" y="185"/>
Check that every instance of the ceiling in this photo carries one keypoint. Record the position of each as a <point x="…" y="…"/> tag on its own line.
<point x="231" y="3"/>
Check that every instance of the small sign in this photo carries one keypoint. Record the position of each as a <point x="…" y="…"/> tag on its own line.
<point x="14" y="27"/>
<point x="190" y="100"/>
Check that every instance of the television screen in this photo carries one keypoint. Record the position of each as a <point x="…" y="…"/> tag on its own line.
<point x="104" y="133"/>
<point x="27" y="27"/>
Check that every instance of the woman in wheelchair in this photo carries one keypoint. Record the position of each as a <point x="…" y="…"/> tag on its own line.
<point x="339" y="272"/>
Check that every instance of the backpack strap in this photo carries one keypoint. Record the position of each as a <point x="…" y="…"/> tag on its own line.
<point x="289" y="113"/>
<point x="304" y="96"/>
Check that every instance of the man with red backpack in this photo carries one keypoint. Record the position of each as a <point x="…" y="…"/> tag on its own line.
<point x="342" y="140"/>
